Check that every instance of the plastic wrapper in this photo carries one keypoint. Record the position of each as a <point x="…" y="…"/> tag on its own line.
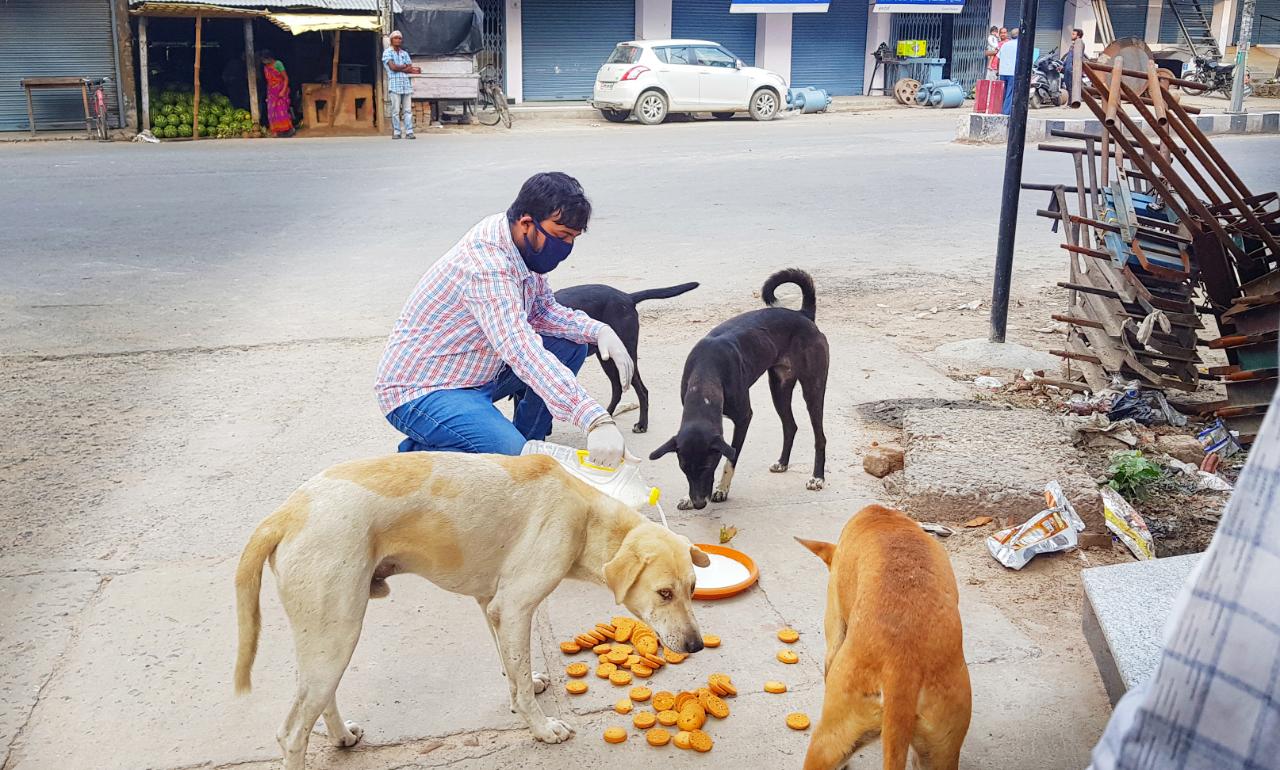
<point x="1056" y="528"/>
<point x="1127" y="524"/>
<point x="1216" y="439"/>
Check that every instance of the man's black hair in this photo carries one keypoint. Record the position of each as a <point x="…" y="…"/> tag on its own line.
<point x="550" y="192"/>
<point x="1079" y="32"/>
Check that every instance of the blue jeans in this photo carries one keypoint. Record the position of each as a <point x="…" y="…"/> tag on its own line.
<point x="1008" y="94"/>
<point x="401" y="113"/>
<point x="466" y="420"/>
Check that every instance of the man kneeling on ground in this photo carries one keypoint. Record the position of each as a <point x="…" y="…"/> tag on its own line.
<point x="482" y="324"/>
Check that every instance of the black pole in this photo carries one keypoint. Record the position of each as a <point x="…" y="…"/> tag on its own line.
<point x="1014" y="149"/>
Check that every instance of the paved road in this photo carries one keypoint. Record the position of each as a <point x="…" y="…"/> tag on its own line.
<point x="189" y="330"/>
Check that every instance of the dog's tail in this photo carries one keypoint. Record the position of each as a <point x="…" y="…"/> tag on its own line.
<point x="901" y="696"/>
<point x="667" y="293"/>
<point x="248" y="586"/>
<point x="809" y="305"/>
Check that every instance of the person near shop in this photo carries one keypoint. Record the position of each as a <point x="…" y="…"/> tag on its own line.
<point x="993" y="45"/>
<point x="279" y="107"/>
<point x="1008" y="56"/>
<point x="399" y="67"/>
<point x="1071" y="65"/>
<point x="482" y="325"/>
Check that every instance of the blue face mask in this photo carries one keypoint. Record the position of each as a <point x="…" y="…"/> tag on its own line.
<point x="552" y="253"/>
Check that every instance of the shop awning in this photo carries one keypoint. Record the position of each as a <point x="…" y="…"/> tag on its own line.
<point x="298" y="23"/>
<point x="919" y="6"/>
<point x="187" y="10"/>
<point x="777" y="6"/>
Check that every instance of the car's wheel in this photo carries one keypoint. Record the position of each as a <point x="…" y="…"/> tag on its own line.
<point x="764" y="104"/>
<point x="615" y="116"/>
<point x="722" y="115"/>
<point x="651" y="108"/>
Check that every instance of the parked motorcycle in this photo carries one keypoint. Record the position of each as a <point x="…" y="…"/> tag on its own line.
<point x="1046" y="81"/>
<point x="1217" y="78"/>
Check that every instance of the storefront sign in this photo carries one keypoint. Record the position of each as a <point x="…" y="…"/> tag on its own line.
<point x="776" y="6"/>
<point x="919" y="6"/>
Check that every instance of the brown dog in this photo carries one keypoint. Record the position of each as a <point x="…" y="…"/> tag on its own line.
<point x="895" y="659"/>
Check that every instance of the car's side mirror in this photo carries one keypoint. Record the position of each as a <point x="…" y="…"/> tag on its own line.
<point x="738" y="64"/>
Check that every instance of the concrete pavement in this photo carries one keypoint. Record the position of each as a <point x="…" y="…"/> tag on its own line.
<point x="189" y="331"/>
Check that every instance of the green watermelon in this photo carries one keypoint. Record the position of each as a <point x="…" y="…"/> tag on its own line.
<point x="184" y="130"/>
<point x="170" y="132"/>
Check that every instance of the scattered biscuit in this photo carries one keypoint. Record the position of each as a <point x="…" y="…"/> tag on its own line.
<point x="775" y="687"/>
<point x="788" y="635"/>
<point x="615" y="735"/>
<point x="673" y="658"/>
<point x="644" y="720"/>
<point x="663" y="700"/>
<point x="601" y="649"/>
<point x="787" y="656"/>
<point x="642" y="671"/>
<point x="570" y="648"/>
<point x="798" y="721"/>
<point x="617" y="658"/>
<point x="716" y="707"/>
<point x="700" y="741"/>
<point x="623" y="706"/>
<point x="640" y="694"/>
<point x="710" y="640"/>
<point x="605" y="670"/>
<point x="575" y="687"/>
<point x="658" y="737"/>
<point x="668" y="718"/>
<point x="620" y="678"/>
<point x="577" y="669"/>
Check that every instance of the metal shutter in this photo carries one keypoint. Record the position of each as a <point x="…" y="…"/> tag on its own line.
<point x="567" y="41"/>
<point x="711" y="20"/>
<point x="1265" y="31"/>
<point x="1128" y="18"/>
<point x="39" y="38"/>
<point x="1170" y="31"/>
<point x="1048" y="23"/>
<point x="969" y="30"/>
<point x="828" y="50"/>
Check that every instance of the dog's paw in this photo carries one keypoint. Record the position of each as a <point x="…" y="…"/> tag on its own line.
<point x="540" y="683"/>
<point x="637" y="428"/>
<point x="552" y="731"/>
<point x="778" y="468"/>
<point x="353" y="735"/>
<point x="719" y="496"/>
<point x="685" y="504"/>
<point x="815" y="484"/>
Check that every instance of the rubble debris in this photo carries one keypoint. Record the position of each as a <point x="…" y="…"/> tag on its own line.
<point x="1097" y="431"/>
<point x="1127" y="524"/>
<point x="880" y="461"/>
<point x="1056" y="528"/>
<point x="934" y="528"/>
<point x="1218" y="440"/>
<point x="890" y="411"/>
<point x="978" y="521"/>
<point x="1093" y="540"/>
<point x="988" y="383"/>
<point x="1184" y="448"/>
<point x="1147" y="406"/>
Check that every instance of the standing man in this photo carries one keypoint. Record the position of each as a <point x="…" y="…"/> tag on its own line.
<point x="399" y="66"/>
<point x="1071" y="65"/>
<point x="482" y="325"/>
<point x="1008" y="56"/>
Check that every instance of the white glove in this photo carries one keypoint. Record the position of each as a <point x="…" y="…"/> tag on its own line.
<point x="611" y="349"/>
<point x="605" y="446"/>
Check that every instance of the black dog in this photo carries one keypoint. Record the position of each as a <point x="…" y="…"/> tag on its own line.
<point x="618" y="309"/>
<point x="719" y="373"/>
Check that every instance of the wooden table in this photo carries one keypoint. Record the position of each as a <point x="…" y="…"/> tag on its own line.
<point x="68" y="81"/>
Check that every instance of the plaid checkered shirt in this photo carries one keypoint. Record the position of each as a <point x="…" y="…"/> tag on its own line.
<point x="397" y="82"/>
<point x="1214" y="700"/>
<point x="478" y="309"/>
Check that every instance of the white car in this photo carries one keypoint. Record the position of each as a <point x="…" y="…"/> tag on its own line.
<point x="653" y="78"/>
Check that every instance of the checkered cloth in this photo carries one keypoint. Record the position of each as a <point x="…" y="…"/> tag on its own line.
<point x="478" y="309"/>
<point x="397" y="82"/>
<point x="1214" y="701"/>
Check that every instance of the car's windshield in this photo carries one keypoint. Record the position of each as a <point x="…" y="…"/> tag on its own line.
<point x="624" y="54"/>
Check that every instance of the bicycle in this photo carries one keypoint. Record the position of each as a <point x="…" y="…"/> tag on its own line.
<point x="491" y="104"/>
<point x="96" y="121"/>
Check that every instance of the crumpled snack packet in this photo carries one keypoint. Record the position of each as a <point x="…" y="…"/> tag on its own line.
<point x="1055" y="528"/>
<point x="1122" y="519"/>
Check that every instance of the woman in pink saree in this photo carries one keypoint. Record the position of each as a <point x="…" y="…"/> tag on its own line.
<point x="279" y="116"/>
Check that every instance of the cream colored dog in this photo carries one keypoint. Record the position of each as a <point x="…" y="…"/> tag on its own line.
<point x="505" y="530"/>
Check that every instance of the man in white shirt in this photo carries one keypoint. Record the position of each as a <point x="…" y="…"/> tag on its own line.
<point x="1007" y="56"/>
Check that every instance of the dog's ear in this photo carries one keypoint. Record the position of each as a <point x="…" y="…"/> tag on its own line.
<point x="726" y="450"/>
<point x="700" y="559"/>
<point x="621" y="571"/>
<point x="666" y="448"/>
<point x="822" y="550"/>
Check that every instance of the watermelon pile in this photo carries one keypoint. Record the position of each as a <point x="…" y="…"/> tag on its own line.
<point x="171" y="116"/>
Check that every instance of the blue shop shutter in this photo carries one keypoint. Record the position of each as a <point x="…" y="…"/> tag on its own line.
<point x="828" y="50"/>
<point x="565" y="42"/>
<point x="711" y="20"/>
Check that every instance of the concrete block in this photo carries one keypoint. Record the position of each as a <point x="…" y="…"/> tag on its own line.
<point x="1253" y="123"/>
<point x="1126" y="609"/>
<point x="964" y="463"/>
<point x="1093" y="126"/>
<point x="1204" y="123"/>
<point x="1236" y="124"/>
<point x="983" y="129"/>
<point x="880" y="461"/>
<point x="1271" y="122"/>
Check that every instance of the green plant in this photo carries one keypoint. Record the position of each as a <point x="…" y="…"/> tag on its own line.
<point x="1130" y="474"/>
